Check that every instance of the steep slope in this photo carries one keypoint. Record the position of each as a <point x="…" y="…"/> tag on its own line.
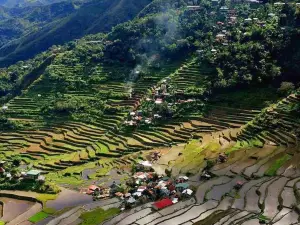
<point x="94" y="17"/>
<point x="17" y="22"/>
<point x="26" y="3"/>
<point x="106" y="101"/>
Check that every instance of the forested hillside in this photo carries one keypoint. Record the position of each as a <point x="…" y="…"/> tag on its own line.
<point x="18" y="22"/>
<point x="25" y="3"/>
<point x="31" y="30"/>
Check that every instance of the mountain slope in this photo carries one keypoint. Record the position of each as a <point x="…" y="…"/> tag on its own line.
<point x="17" y="22"/>
<point x="25" y="3"/>
<point x="97" y="16"/>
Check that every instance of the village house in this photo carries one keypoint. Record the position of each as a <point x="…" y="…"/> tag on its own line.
<point x="224" y="9"/>
<point x="247" y="21"/>
<point x="232" y="19"/>
<point x="33" y="174"/>
<point x="159" y="101"/>
<point x="214" y="2"/>
<point x="220" y="38"/>
<point x="214" y="51"/>
<point x="193" y="7"/>
<point x="144" y="166"/>
<point x="4" y="108"/>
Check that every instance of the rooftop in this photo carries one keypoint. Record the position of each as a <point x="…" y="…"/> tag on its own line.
<point x="33" y="172"/>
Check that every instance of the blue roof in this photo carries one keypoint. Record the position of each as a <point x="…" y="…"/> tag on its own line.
<point x="182" y="185"/>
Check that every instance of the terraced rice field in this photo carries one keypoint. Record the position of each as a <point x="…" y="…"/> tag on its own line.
<point x="265" y="159"/>
<point x="217" y="203"/>
<point x="270" y="190"/>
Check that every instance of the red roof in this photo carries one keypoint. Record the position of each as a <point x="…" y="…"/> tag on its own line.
<point x="163" y="203"/>
<point x="93" y="187"/>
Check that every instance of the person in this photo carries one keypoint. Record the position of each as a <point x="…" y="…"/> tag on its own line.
<point x="238" y="185"/>
<point x="205" y="175"/>
<point x="222" y="157"/>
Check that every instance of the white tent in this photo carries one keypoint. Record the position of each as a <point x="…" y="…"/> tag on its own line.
<point x="146" y="163"/>
<point x="187" y="191"/>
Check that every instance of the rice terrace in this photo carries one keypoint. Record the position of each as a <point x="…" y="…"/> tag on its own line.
<point x="157" y="112"/>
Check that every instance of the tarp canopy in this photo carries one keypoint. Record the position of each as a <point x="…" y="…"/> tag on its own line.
<point x="188" y="191"/>
<point x="92" y="187"/>
<point x="182" y="185"/>
<point x="145" y="163"/>
<point x="33" y="172"/>
<point x="163" y="203"/>
<point x="131" y="200"/>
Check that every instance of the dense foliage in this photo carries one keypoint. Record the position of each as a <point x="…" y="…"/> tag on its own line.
<point x="259" y="52"/>
<point x="60" y="24"/>
<point x="256" y="53"/>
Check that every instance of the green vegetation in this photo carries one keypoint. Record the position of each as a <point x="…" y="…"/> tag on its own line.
<point x="45" y="212"/>
<point x="248" y="98"/>
<point x="65" y="179"/>
<point x="245" y="145"/>
<point x="49" y="210"/>
<point x="277" y="164"/>
<point x="46" y="197"/>
<point x="98" y="215"/>
<point x="28" y="28"/>
<point x="38" y="217"/>
<point x="75" y="102"/>
<point x="262" y="218"/>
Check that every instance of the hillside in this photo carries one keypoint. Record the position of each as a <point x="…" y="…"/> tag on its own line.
<point x="26" y="3"/>
<point x="24" y="35"/>
<point x="17" y="22"/>
<point x="211" y="89"/>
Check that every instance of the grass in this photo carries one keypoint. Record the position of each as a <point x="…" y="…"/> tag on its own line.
<point x="98" y="215"/>
<point x="46" y="197"/>
<point x="103" y="148"/>
<point x="192" y="156"/>
<point x="49" y="210"/>
<point x="263" y="218"/>
<point x="38" y="217"/>
<point x="99" y="173"/>
<point x="59" y="178"/>
<point x="2" y="222"/>
<point x="276" y="165"/>
<point x="243" y="144"/>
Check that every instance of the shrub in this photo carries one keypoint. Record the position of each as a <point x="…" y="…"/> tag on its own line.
<point x="286" y="88"/>
<point x="209" y="164"/>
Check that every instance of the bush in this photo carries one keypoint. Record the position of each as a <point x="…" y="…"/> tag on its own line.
<point x="286" y="88"/>
<point x="209" y="164"/>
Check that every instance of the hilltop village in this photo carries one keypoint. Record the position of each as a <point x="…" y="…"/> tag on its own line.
<point x="96" y="132"/>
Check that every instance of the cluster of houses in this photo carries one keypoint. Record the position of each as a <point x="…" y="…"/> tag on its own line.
<point x="147" y="186"/>
<point x="161" y="94"/>
<point x="231" y="18"/>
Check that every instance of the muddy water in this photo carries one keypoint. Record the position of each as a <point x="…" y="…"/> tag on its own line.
<point x="87" y="172"/>
<point x="13" y="208"/>
<point x="218" y="191"/>
<point x="69" y="198"/>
